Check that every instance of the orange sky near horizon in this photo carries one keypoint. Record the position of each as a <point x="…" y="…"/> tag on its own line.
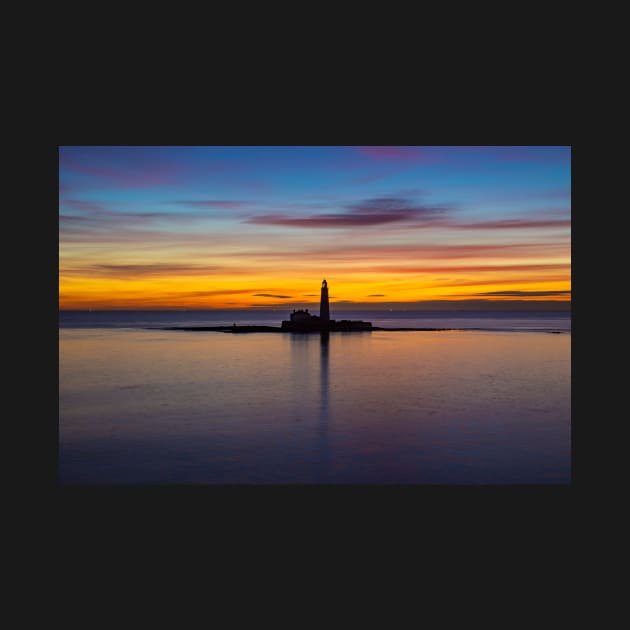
<point x="157" y="228"/>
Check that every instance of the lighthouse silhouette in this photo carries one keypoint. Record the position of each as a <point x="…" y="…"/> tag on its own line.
<point x="302" y="321"/>
<point x="324" y="311"/>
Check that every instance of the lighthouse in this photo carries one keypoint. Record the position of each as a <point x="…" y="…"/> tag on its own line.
<point x="302" y="321"/>
<point x="324" y="312"/>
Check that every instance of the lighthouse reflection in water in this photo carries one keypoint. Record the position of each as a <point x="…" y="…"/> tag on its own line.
<point x="323" y="409"/>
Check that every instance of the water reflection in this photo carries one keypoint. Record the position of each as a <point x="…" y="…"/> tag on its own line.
<point x="313" y="388"/>
<point x="324" y="453"/>
<point x="383" y="408"/>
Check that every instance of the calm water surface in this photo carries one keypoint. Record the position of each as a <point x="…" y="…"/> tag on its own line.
<point x="450" y="407"/>
<point x="486" y="320"/>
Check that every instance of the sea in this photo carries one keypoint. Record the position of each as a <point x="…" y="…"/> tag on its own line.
<point x="487" y="402"/>
<point x="480" y="320"/>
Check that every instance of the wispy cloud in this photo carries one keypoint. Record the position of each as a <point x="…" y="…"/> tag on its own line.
<point x="92" y="219"/>
<point x="142" y="167"/>
<point x="376" y="295"/>
<point x="70" y="218"/>
<point x="501" y="280"/>
<point x="213" y="203"/>
<point x="92" y="224"/>
<point x="401" y="210"/>
<point x="138" y="298"/>
<point x="411" y="254"/>
<point x="85" y="206"/>
<point x="133" y="271"/>
<point x="524" y="293"/>
<point x="519" y="195"/>
<point x="510" y="224"/>
<point x="141" y="175"/>
<point x="106" y="214"/>
<point x="376" y="211"/>
<point x="468" y="268"/>
<point x="271" y="295"/>
<point x="211" y="293"/>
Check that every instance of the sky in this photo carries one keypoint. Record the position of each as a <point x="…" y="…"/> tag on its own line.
<point x="260" y="227"/>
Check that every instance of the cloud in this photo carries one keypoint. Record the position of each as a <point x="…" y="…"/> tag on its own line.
<point x="404" y="256"/>
<point x="137" y="176"/>
<point x="377" y="211"/>
<point x="376" y="295"/>
<point x="403" y="210"/>
<point x="498" y="280"/>
<point x="95" y="225"/>
<point x="503" y="224"/>
<point x="213" y="203"/>
<point x="86" y="206"/>
<point x="70" y="218"/>
<point x="137" y="298"/>
<point x="558" y="193"/>
<point x="283" y="297"/>
<point x="524" y="293"/>
<point x="209" y="293"/>
<point x="110" y="167"/>
<point x="101" y="214"/>
<point x="131" y="271"/>
<point x="478" y="304"/>
<point x="93" y="220"/>
<point x="469" y="268"/>
<point x="136" y="166"/>
<point x="310" y="295"/>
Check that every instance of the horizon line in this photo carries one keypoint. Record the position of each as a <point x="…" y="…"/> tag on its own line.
<point x="453" y="305"/>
